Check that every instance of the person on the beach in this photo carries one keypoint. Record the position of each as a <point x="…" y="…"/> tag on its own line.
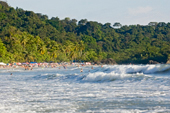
<point x="25" y="67"/>
<point x="81" y="70"/>
<point x="92" y="67"/>
<point x="65" y="67"/>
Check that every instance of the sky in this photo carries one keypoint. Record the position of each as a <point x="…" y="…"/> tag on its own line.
<point x="127" y="12"/>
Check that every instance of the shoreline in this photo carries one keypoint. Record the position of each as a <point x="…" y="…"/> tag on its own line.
<point x="65" y="66"/>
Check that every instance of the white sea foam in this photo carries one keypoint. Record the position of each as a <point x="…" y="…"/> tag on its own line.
<point x="147" y="69"/>
<point x="118" y="89"/>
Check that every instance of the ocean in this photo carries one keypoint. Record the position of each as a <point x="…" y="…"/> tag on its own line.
<point x="107" y="89"/>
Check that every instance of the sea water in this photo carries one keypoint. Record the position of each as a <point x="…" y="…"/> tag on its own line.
<point x="111" y="88"/>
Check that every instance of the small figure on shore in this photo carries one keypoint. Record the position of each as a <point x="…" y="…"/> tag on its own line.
<point x="65" y="67"/>
<point x="81" y="70"/>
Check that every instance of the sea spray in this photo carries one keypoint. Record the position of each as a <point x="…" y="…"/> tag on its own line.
<point x="111" y="88"/>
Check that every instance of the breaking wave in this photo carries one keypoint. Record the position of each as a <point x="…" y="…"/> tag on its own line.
<point x="110" y="73"/>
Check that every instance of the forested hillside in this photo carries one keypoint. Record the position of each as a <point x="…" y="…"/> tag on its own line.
<point x="28" y="36"/>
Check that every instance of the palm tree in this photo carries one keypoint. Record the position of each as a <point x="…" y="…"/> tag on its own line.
<point x="24" y="40"/>
<point x="73" y="55"/>
<point x="37" y="41"/>
<point x="42" y="49"/>
<point x="81" y="47"/>
<point x="68" y="47"/>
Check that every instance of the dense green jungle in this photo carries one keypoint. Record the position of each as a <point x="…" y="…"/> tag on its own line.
<point x="26" y="36"/>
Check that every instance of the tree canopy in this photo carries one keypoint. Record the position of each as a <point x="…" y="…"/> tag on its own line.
<point x="29" y="36"/>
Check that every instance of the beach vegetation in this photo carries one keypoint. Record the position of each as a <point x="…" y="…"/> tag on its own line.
<point x="26" y="36"/>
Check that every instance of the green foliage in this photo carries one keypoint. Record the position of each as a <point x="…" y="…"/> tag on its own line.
<point x="90" y="42"/>
<point x="4" y="4"/>
<point x="2" y="49"/>
<point x="27" y="36"/>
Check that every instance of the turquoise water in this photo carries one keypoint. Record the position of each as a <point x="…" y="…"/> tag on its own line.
<point x="117" y="88"/>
